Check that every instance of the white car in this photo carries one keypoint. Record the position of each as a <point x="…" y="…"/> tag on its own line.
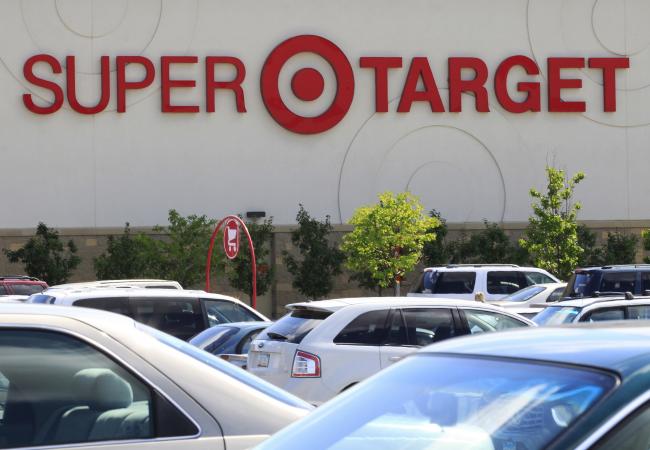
<point x="320" y="349"/>
<point x="596" y="309"/>
<point x="79" y="378"/>
<point x="535" y="296"/>
<point x="464" y="281"/>
<point x="126" y="283"/>
<point x="181" y="313"/>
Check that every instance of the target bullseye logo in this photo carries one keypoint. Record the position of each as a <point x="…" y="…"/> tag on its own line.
<point x="307" y="84"/>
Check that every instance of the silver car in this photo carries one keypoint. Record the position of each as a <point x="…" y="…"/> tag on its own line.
<point x="88" y="379"/>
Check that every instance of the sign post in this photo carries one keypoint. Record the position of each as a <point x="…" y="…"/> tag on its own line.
<point x="231" y="241"/>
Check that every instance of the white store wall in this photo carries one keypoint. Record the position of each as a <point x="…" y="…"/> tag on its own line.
<point x="72" y="170"/>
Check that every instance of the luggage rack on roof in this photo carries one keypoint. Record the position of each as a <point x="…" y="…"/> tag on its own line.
<point x="636" y="266"/>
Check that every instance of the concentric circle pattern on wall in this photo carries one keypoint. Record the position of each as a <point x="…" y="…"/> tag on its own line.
<point x="89" y="29"/>
<point x="599" y="27"/>
<point x="461" y="166"/>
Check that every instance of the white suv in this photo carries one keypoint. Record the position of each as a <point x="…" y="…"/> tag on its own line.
<point x="464" y="281"/>
<point x="321" y="348"/>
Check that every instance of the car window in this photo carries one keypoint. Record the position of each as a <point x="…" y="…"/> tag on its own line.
<point x="555" y="296"/>
<point x="524" y="294"/>
<point x="641" y="312"/>
<point x="538" y="278"/>
<point x="505" y="282"/>
<point x="632" y="434"/>
<point x="556" y="315"/>
<point x="61" y="391"/>
<point x="115" y="305"/>
<point x="245" y="344"/>
<point x="3" y="290"/>
<point x="4" y="388"/>
<point x="601" y="315"/>
<point x="368" y="328"/>
<point x="221" y="340"/>
<point x="617" y="282"/>
<point x="425" y="326"/>
<point x="396" y="330"/>
<point x="580" y="284"/>
<point x="479" y="321"/>
<point x="645" y="281"/>
<point x="452" y="282"/>
<point x="224" y="311"/>
<point x="295" y="326"/>
<point x="181" y="317"/>
<point x="26" y="289"/>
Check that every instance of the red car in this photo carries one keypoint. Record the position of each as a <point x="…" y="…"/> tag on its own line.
<point x="21" y="285"/>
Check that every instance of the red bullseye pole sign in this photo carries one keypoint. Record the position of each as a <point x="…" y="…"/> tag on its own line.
<point x="231" y="240"/>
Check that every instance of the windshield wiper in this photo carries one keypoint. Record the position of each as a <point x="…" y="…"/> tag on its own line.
<point x="276" y="336"/>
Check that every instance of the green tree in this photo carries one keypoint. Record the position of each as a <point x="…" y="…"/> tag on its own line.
<point x="320" y="261"/>
<point x="437" y="252"/>
<point x="124" y="258"/>
<point x="239" y="271"/>
<point x="552" y="234"/>
<point x="490" y="246"/>
<point x="388" y="238"/>
<point x="645" y="240"/>
<point x="592" y="254"/>
<point x="44" y="256"/>
<point x="620" y="248"/>
<point x="180" y="254"/>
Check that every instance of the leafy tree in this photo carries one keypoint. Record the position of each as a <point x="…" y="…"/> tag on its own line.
<point x="180" y="254"/>
<point x="592" y="254"/>
<point x="313" y="274"/>
<point x="45" y="257"/>
<point x="388" y="238"/>
<point x="124" y="258"/>
<point x="490" y="246"/>
<point x="645" y="239"/>
<point x="437" y="252"/>
<point x="620" y="248"/>
<point x="239" y="271"/>
<point x="552" y="234"/>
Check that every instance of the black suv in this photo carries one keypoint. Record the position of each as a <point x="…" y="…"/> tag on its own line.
<point x="596" y="281"/>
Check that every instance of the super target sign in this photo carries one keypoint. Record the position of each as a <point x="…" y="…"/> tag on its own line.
<point x="465" y="75"/>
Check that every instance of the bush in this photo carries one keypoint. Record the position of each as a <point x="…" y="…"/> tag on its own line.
<point x="44" y="256"/>
<point x="320" y="262"/>
<point x="125" y="257"/>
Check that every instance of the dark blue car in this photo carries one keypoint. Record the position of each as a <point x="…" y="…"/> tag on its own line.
<point x="230" y="340"/>
<point x="579" y="387"/>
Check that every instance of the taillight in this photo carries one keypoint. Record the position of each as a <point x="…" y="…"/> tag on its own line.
<point x="305" y="365"/>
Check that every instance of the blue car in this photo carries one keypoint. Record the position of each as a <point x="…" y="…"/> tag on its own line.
<point x="579" y="387"/>
<point x="230" y="341"/>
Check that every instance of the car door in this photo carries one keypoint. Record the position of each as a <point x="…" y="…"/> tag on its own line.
<point x="412" y="328"/>
<point x="62" y="390"/>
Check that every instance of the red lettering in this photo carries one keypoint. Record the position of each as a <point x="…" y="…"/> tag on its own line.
<point x="71" y="87"/>
<point x="211" y="85"/>
<point x="28" y="73"/>
<point x="609" y="66"/>
<point x="420" y="69"/>
<point x="532" y="102"/>
<point x="556" y="84"/>
<point x="476" y="85"/>
<point x="168" y="84"/>
<point x="123" y="85"/>
<point x="381" y="65"/>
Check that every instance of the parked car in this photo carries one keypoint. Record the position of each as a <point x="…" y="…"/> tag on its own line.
<point x="181" y="313"/>
<point x="230" y="341"/>
<point x="80" y="378"/>
<point x="464" y="281"/>
<point x="533" y="296"/>
<point x="21" y="285"/>
<point x="595" y="309"/>
<point x="126" y="283"/>
<point x="320" y="349"/>
<point x="501" y="391"/>
<point x="595" y="281"/>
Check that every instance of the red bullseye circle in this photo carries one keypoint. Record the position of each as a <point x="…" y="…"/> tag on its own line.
<point x="304" y="84"/>
<point x="307" y="84"/>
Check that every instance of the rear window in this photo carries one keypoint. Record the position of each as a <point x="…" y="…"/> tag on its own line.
<point x="26" y="289"/>
<point x="556" y="315"/>
<point x="224" y="311"/>
<point x="294" y="326"/>
<point x="578" y="285"/>
<point x="618" y="282"/>
<point x="367" y="329"/>
<point x="181" y="317"/>
<point x="524" y="294"/>
<point x="452" y="282"/>
<point x="505" y="282"/>
<point x="115" y="305"/>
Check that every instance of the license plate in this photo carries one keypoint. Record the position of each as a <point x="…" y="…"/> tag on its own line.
<point x="263" y="360"/>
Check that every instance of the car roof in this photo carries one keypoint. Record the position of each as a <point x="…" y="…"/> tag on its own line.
<point x="616" y="267"/>
<point x="614" y="345"/>
<point x="478" y="267"/>
<point x="375" y="302"/>
<point x="70" y="295"/>
<point x="610" y="300"/>
<point x="94" y="317"/>
<point x="135" y="282"/>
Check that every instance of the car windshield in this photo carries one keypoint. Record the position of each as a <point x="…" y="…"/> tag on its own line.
<point x="524" y="294"/>
<point x="438" y="402"/>
<point x="224" y="367"/>
<point x="557" y="315"/>
<point x="294" y="326"/>
<point x="577" y="286"/>
<point x="26" y="289"/>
